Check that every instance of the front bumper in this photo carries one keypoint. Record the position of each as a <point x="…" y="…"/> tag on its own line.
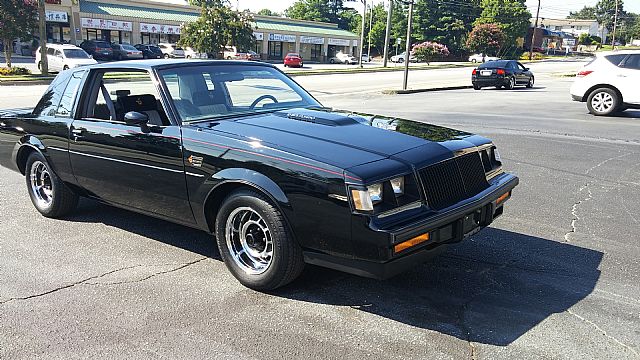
<point x="445" y="227"/>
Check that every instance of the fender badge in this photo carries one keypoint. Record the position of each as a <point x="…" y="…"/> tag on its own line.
<point x="139" y="101"/>
<point x="196" y="161"/>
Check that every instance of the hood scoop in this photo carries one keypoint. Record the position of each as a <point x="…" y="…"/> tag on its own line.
<point x="317" y="117"/>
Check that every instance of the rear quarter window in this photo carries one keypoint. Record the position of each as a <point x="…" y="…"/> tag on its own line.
<point x="615" y="59"/>
<point x="50" y="101"/>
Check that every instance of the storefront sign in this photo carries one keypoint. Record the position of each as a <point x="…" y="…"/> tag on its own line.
<point x="259" y="36"/>
<point x="282" y="37"/>
<point x="159" y="29"/>
<point x="56" y="16"/>
<point x="339" y="42"/>
<point x="106" y="24"/>
<point x="311" y="40"/>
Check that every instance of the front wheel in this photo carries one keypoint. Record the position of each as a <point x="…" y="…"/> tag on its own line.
<point x="332" y="61"/>
<point x="51" y="197"/>
<point x="255" y="242"/>
<point x="603" y="101"/>
<point x="530" y="83"/>
<point x="166" y="56"/>
<point x="477" y="87"/>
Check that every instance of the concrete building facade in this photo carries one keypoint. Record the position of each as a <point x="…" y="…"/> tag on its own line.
<point x="139" y="21"/>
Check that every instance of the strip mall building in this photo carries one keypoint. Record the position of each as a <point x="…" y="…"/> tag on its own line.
<point x="138" y="21"/>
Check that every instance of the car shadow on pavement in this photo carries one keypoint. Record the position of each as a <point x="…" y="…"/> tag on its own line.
<point x="183" y="237"/>
<point x="490" y="289"/>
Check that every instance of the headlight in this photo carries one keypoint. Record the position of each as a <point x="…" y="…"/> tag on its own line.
<point x="375" y="193"/>
<point x="398" y="185"/>
<point x="496" y="155"/>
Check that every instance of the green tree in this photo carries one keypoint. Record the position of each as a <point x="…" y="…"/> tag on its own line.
<point x="605" y="11"/>
<point x="586" y="13"/>
<point x="267" y="12"/>
<point x="18" y="19"/>
<point x="332" y="11"/>
<point x="218" y="25"/>
<point x="511" y="16"/>
<point x="486" y="38"/>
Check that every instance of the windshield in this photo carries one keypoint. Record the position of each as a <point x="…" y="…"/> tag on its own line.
<point x="129" y="47"/>
<point x="75" y="54"/>
<point x="219" y="91"/>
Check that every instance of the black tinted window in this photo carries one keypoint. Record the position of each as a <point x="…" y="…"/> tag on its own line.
<point x="69" y="94"/>
<point x="49" y="102"/>
<point x="632" y="62"/>
<point x="494" y="64"/>
<point x="615" y="59"/>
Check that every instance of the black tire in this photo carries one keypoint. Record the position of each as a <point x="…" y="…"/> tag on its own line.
<point x="40" y="65"/>
<point x="66" y="67"/>
<point x="286" y="262"/>
<point x="332" y="61"/>
<point x="603" y="102"/>
<point x="62" y="199"/>
<point x="477" y="87"/>
<point x="531" y="82"/>
<point x="400" y="60"/>
<point x="166" y="56"/>
<point x="511" y="84"/>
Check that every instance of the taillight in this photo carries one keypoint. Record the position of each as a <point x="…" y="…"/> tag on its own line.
<point x="584" y="73"/>
<point x="500" y="72"/>
<point x="474" y="72"/>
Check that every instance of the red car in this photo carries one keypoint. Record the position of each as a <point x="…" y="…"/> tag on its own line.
<point x="293" y="60"/>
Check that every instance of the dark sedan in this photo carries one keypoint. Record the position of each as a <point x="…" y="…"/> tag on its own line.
<point x="150" y="51"/>
<point x="241" y="151"/>
<point x="98" y="49"/>
<point x="502" y="74"/>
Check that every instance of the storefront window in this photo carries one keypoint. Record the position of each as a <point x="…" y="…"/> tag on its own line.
<point x="58" y="33"/>
<point x="275" y="50"/>
<point x="258" y="47"/>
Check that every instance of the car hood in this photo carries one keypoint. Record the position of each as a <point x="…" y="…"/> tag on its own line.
<point x="347" y="139"/>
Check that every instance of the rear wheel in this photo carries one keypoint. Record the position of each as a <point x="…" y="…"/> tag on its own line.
<point x="603" y="101"/>
<point x="255" y="242"/>
<point x="66" y="67"/>
<point x="50" y="196"/>
<point x="401" y="60"/>
<point x="332" y="61"/>
<point x="511" y="83"/>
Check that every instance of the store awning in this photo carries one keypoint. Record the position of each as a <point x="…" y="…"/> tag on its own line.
<point x="284" y="26"/>
<point x="137" y="12"/>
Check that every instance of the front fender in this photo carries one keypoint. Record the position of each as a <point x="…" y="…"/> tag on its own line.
<point x="251" y="178"/>
<point x="24" y="146"/>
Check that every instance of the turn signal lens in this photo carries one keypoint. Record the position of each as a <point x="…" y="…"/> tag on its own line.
<point x="410" y="243"/>
<point x="503" y="197"/>
<point x="361" y="200"/>
<point x="474" y="72"/>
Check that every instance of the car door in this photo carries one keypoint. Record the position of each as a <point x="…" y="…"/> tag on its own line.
<point x="524" y="74"/>
<point x="134" y="166"/>
<point x="629" y="78"/>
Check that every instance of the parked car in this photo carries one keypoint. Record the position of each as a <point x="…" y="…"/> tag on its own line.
<point x="253" y="56"/>
<point x="150" y="51"/>
<point x="480" y="58"/>
<point x="64" y="56"/>
<point x="171" y="51"/>
<point x="125" y="52"/>
<point x="98" y="49"/>
<point x="277" y="179"/>
<point x="232" y="53"/>
<point x="293" y="60"/>
<point x="342" y="58"/>
<point x="401" y="57"/>
<point x="609" y="83"/>
<point x="502" y="73"/>
<point x="189" y="53"/>
<point x="366" y="58"/>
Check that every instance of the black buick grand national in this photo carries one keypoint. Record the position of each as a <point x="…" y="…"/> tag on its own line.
<point x="241" y="151"/>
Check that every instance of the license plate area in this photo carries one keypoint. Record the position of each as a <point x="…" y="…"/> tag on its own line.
<point x="485" y="72"/>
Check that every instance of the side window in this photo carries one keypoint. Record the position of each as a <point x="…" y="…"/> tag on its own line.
<point x="51" y="51"/>
<point x="616" y="59"/>
<point x="121" y="92"/>
<point x="58" y="53"/>
<point x="49" y="102"/>
<point x="522" y="67"/>
<point x="632" y="62"/>
<point x="69" y="94"/>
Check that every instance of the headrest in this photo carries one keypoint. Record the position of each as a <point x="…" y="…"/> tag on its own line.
<point x="139" y="103"/>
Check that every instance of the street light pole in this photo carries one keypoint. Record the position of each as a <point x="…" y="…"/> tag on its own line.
<point x="364" y="16"/>
<point x="370" y="26"/>
<point x="407" y="54"/>
<point x="615" y="23"/>
<point x="533" y="35"/>
<point x="388" y="35"/>
<point x="44" y="64"/>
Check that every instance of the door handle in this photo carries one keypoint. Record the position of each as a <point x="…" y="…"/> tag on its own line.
<point x="77" y="134"/>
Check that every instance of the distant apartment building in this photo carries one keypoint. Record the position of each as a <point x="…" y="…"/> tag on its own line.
<point x="573" y="26"/>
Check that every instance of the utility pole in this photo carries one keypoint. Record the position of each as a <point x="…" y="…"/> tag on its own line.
<point x="533" y="35"/>
<point x="407" y="54"/>
<point x="42" y="20"/>
<point x="615" y="23"/>
<point x="370" y="27"/>
<point x="387" y="37"/>
<point x="364" y="17"/>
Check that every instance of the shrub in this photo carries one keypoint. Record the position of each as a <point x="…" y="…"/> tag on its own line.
<point x="14" y="71"/>
<point x="427" y="51"/>
<point x="536" y="56"/>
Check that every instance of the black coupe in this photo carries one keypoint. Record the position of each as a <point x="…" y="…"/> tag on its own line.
<point x="241" y="151"/>
<point x="502" y="74"/>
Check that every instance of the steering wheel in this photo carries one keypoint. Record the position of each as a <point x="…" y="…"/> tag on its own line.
<point x="263" y="97"/>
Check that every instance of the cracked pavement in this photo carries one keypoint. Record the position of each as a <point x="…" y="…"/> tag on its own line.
<point x="556" y="277"/>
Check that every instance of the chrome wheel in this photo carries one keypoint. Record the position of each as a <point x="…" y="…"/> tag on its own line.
<point x="249" y="240"/>
<point x="602" y="102"/>
<point x="41" y="185"/>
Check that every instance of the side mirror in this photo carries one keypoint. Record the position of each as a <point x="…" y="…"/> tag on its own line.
<point x="526" y="69"/>
<point x="136" y="118"/>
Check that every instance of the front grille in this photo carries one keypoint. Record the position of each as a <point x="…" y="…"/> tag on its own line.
<point x="453" y="180"/>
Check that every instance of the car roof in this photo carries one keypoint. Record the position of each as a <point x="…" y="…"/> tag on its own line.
<point x="170" y="63"/>
<point x="64" y="46"/>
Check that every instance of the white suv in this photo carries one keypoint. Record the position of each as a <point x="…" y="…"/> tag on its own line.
<point x="609" y="83"/>
<point x="64" y="56"/>
<point x="171" y="51"/>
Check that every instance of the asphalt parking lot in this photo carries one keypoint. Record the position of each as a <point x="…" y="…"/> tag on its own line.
<point x="556" y="277"/>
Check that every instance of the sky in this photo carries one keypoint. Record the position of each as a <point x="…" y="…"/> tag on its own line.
<point x="548" y="8"/>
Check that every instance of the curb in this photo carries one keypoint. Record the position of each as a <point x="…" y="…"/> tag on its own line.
<point x="365" y="71"/>
<point x="415" y="91"/>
